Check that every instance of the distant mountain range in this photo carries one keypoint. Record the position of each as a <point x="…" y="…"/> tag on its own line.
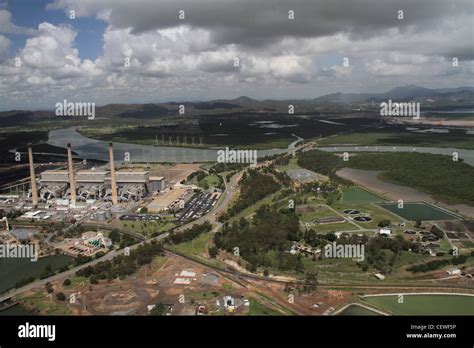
<point x="464" y="95"/>
<point x="460" y="97"/>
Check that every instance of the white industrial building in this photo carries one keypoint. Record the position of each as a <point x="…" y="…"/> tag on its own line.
<point x="64" y="186"/>
<point x="96" y="184"/>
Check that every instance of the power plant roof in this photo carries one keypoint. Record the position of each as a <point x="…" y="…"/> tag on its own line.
<point x="156" y="178"/>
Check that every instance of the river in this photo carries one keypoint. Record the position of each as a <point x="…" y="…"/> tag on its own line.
<point x="98" y="149"/>
<point x="14" y="270"/>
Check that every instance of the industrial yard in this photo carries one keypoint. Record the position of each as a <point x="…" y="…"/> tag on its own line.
<point x="74" y="209"/>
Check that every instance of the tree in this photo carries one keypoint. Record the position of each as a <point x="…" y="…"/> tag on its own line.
<point x="311" y="282"/>
<point x="384" y="223"/>
<point x="67" y="282"/>
<point x="251" y="268"/>
<point x="47" y="272"/>
<point x="160" y="309"/>
<point x="213" y="252"/>
<point x="60" y="296"/>
<point x="330" y="200"/>
<point x="49" y="287"/>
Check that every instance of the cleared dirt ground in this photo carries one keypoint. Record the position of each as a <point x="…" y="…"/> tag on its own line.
<point x="156" y="283"/>
<point x="174" y="174"/>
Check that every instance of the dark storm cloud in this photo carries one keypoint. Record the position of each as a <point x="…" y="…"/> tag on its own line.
<point x="257" y="23"/>
<point x="461" y="52"/>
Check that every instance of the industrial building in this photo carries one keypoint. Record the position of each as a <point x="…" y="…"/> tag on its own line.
<point x="68" y="186"/>
<point x="89" y="244"/>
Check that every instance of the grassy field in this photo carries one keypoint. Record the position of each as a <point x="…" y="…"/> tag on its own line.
<point x="357" y="195"/>
<point x="320" y="211"/>
<point x="256" y="308"/>
<point x="373" y="211"/>
<point x="325" y="228"/>
<point x="247" y="212"/>
<point x="77" y="281"/>
<point x="197" y="296"/>
<point x="330" y="267"/>
<point x="194" y="247"/>
<point x="158" y="262"/>
<point x="292" y="164"/>
<point x="348" y="270"/>
<point x="418" y="211"/>
<point x="40" y="301"/>
<point x="145" y="227"/>
<point x="425" y="304"/>
<point x="209" y="181"/>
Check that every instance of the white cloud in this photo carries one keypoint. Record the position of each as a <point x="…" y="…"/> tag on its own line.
<point x="4" y="47"/>
<point x="7" y="27"/>
<point x="183" y="60"/>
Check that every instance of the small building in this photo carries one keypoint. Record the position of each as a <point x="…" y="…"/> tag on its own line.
<point x="157" y="183"/>
<point x="385" y="231"/>
<point x="454" y="271"/>
<point x="379" y="276"/>
<point x="229" y="304"/>
<point x="22" y="234"/>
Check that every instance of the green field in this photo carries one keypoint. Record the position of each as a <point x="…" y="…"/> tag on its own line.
<point x="372" y="210"/>
<point x="418" y="211"/>
<point x="425" y="304"/>
<point x="145" y="227"/>
<point x="358" y="195"/>
<point x="355" y="310"/>
<point x="193" y="247"/>
<point x="209" y="181"/>
<point x="320" y="211"/>
<point x="42" y="302"/>
<point x="256" y="308"/>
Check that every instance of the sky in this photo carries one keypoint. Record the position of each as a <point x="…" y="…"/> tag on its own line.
<point x="141" y="51"/>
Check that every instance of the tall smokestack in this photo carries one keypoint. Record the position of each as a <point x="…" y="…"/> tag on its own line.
<point x="113" y="183"/>
<point x="72" y="180"/>
<point x="34" y="190"/>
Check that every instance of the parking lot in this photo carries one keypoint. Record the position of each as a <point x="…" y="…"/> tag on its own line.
<point x="198" y="205"/>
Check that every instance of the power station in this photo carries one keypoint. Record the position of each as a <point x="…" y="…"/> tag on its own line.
<point x="70" y="187"/>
